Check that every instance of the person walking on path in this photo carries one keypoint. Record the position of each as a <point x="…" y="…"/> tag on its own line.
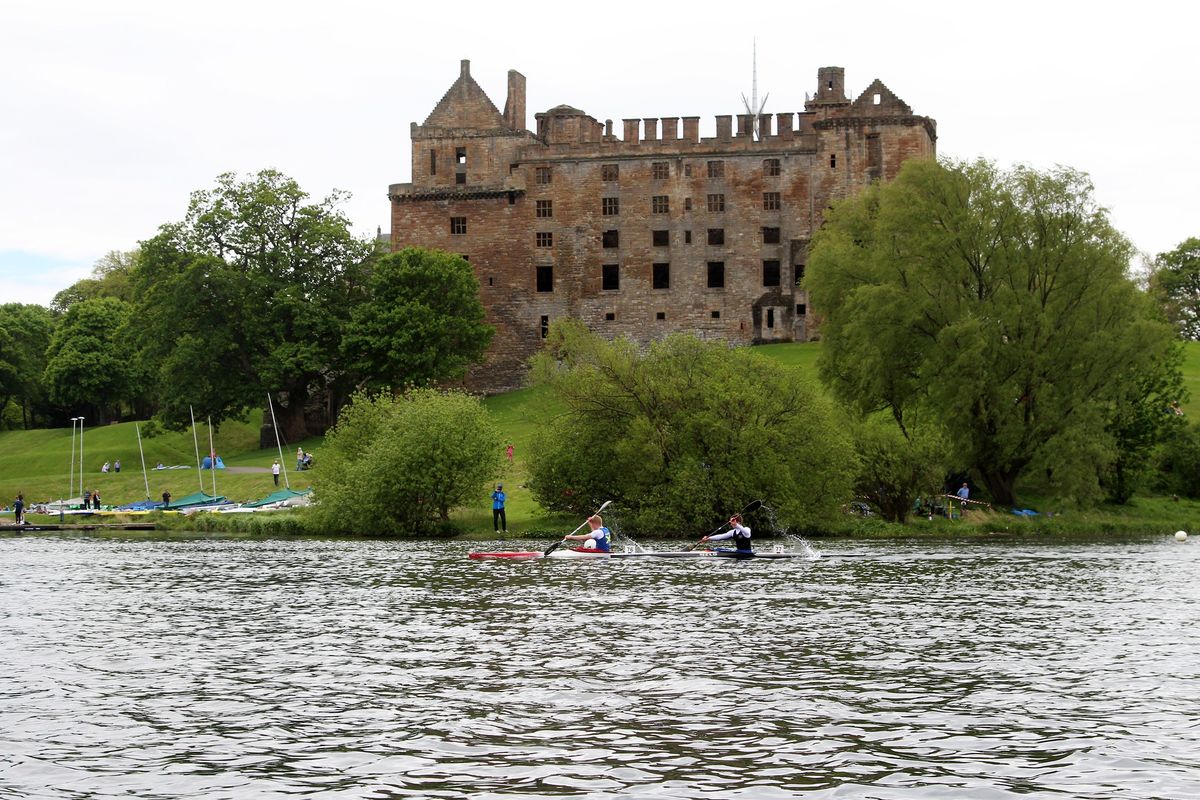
<point x="275" y="471"/>
<point x="508" y="451"/>
<point x="498" y="518"/>
<point x="19" y="510"/>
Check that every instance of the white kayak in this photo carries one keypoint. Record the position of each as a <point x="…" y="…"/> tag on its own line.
<point x="567" y="555"/>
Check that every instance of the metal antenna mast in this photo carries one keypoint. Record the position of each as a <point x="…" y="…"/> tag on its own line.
<point x="753" y="107"/>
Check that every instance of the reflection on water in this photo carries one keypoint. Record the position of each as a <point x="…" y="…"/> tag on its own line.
<point x="166" y="668"/>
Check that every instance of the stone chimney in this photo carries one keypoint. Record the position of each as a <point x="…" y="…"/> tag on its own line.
<point x="514" y="106"/>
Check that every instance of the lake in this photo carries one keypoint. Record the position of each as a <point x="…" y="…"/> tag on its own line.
<point x="228" y="667"/>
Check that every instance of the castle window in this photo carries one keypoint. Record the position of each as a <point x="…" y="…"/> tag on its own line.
<point x="687" y="170"/>
<point x="611" y="239"/>
<point x="716" y="236"/>
<point x="661" y="315"/>
<point x="770" y="318"/>
<point x="876" y="98"/>
<point x="661" y="276"/>
<point x="491" y="281"/>
<point x="610" y="206"/>
<point x="660" y="204"/>
<point x="433" y="162"/>
<point x="545" y="279"/>
<point x="542" y="175"/>
<point x="771" y="167"/>
<point x="770" y="235"/>
<point x="771" y="273"/>
<point x="545" y="239"/>
<point x="660" y="170"/>
<point x="799" y="273"/>
<point x="771" y="201"/>
<point x="687" y="204"/>
<point x="660" y="238"/>
<point x="610" y="172"/>
<point x="716" y="169"/>
<point x="460" y="155"/>
<point x="716" y="202"/>
<point x="801" y="309"/>
<point x="458" y="225"/>
<point x="687" y="237"/>
<point x="545" y="208"/>
<point x="460" y="178"/>
<point x="609" y="316"/>
<point x="715" y="314"/>
<point x="610" y="277"/>
<point x="545" y="324"/>
<point x="716" y="274"/>
<point x="833" y="160"/>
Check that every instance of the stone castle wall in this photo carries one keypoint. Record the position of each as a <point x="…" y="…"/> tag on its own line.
<point x="658" y="231"/>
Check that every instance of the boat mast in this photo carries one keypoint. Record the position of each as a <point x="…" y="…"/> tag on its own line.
<point x="275" y="427"/>
<point x="145" y="477"/>
<point x="212" y="457"/>
<point x="196" y="444"/>
<point x="81" y="457"/>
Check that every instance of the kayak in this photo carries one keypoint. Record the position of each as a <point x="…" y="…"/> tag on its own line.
<point x="528" y="555"/>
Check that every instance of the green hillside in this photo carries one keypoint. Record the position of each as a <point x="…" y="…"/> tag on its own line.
<point x="37" y="463"/>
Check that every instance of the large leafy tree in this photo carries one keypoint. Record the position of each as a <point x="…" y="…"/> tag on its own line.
<point x="998" y="303"/>
<point x="399" y="465"/>
<point x="423" y="320"/>
<point x="89" y="364"/>
<point x="25" y="332"/>
<point x="248" y="294"/>
<point x="684" y="433"/>
<point x="109" y="278"/>
<point x="1175" y="281"/>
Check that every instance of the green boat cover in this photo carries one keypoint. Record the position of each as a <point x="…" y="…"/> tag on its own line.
<point x="277" y="497"/>
<point x="197" y="499"/>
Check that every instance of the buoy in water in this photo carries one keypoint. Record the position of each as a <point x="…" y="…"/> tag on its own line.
<point x="1181" y="536"/>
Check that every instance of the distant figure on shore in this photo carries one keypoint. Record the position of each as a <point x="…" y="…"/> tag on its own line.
<point x="508" y="451"/>
<point x="87" y="500"/>
<point x="166" y="499"/>
<point x="275" y="471"/>
<point x="964" y="492"/>
<point x="498" y="517"/>
<point x="299" y="458"/>
<point x="105" y="467"/>
<point x="96" y="501"/>
<point x="19" y="510"/>
<point x="117" y="465"/>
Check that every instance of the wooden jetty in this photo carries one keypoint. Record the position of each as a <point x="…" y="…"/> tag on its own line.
<point x="77" y="526"/>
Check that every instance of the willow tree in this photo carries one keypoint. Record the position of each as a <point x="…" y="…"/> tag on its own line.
<point x="997" y="302"/>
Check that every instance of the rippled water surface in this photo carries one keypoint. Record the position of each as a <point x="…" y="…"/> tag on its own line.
<point x="208" y="667"/>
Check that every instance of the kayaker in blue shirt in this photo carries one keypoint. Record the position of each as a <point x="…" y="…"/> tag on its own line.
<point x="738" y="532"/>
<point x="498" y="518"/>
<point x="599" y="538"/>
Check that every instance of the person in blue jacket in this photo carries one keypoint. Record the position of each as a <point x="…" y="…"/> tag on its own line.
<point x="498" y="518"/>
<point x="599" y="538"/>
<point x="738" y="532"/>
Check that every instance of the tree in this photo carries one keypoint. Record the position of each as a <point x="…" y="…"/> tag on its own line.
<point x="401" y="464"/>
<point x="88" y="364"/>
<point x="995" y="302"/>
<point x="897" y="466"/>
<point x="423" y="320"/>
<point x="248" y="294"/>
<point x="110" y="278"/>
<point x="25" y="332"/>
<point x="684" y="433"/>
<point x="1175" y="282"/>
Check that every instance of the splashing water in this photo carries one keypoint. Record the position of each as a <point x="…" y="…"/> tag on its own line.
<point x="781" y="532"/>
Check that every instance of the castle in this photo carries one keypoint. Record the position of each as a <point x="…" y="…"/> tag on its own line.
<point x="653" y="232"/>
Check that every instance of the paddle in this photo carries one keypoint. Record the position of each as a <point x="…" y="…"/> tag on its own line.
<point x="555" y="546"/>
<point x="753" y="506"/>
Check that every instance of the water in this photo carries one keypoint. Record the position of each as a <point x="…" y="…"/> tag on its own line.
<point x="234" y="668"/>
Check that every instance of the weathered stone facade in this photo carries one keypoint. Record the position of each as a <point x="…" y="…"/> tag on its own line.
<point x="653" y="232"/>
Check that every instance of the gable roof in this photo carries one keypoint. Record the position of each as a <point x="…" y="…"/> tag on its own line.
<point x="889" y="104"/>
<point x="466" y="105"/>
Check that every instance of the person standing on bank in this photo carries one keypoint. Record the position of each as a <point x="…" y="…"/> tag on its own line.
<point x="738" y="532"/>
<point x="166" y="499"/>
<point x="498" y="518"/>
<point x="19" y="510"/>
<point x="275" y="471"/>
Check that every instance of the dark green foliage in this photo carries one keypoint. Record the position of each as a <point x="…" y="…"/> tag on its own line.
<point x="896" y="466"/>
<point x="25" y="332"/>
<point x="89" y="364"/>
<point x="423" y="321"/>
<point x="110" y="278"/>
<point x="1179" y="465"/>
<point x="998" y="304"/>
<point x="248" y="294"/>
<point x="1175" y="282"/>
<point x="398" y="465"/>
<point x="684" y="434"/>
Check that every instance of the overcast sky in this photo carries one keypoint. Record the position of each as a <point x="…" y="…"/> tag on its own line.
<point x="112" y="113"/>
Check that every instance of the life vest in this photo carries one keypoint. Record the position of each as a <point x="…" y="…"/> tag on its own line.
<point x="742" y="542"/>
<point x="603" y="539"/>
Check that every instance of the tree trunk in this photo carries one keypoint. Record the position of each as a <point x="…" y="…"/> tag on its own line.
<point x="1000" y="485"/>
<point x="289" y="413"/>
